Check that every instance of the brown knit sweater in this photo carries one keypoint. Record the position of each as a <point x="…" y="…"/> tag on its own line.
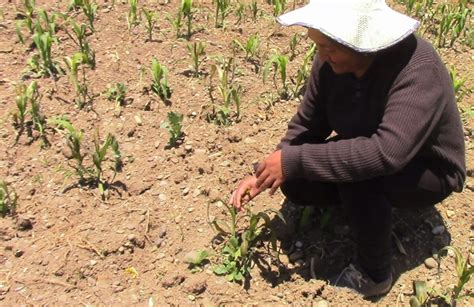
<point x="403" y="107"/>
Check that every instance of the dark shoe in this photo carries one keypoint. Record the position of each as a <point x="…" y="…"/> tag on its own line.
<point x="359" y="282"/>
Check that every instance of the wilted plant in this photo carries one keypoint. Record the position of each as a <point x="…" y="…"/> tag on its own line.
<point x="251" y="47"/>
<point x="8" y="200"/>
<point x="90" y="9"/>
<point x="117" y="94"/>
<point x="150" y="22"/>
<point x="279" y="63"/>
<point x="196" y="50"/>
<point x="132" y="17"/>
<point x="222" y="10"/>
<point x="174" y="125"/>
<point x="159" y="84"/>
<point x="240" y="246"/>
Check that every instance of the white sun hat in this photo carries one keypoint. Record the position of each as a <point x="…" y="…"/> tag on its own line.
<point x="363" y="25"/>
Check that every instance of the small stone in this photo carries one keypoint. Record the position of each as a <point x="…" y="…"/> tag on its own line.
<point x="19" y="253"/>
<point x="185" y="191"/>
<point x="159" y="242"/>
<point x="172" y="281"/>
<point x="191" y="297"/>
<point x="450" y="213"/>
<point x="162" y="197"/>
<point x="190" y="209"/>
<point x="279" y="295"/>
<point x="131" y="237"/>
<point x="438" y="230"/>
<point x="322" y="303"/>
<point x="162" y="232"/>
<point x="196" y="192"/>
<point x="431" y="263"/>
<point x="188" y="148"/>
<point x="138" y="120"/>
<point x="197" y="288"/>
<point x="23" y="224"/>
<point x="93" y="262"/>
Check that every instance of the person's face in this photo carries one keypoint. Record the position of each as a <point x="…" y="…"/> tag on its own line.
<point x="341" y="59"/>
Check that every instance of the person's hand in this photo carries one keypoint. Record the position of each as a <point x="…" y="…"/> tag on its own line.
<point x="245" y="192"/>
<point x="269" y="173"/>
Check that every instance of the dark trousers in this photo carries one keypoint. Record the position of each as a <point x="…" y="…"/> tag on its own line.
<point x="368" y="206"/>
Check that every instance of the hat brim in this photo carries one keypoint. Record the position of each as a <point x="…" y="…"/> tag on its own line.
<point x="361" y="32"/>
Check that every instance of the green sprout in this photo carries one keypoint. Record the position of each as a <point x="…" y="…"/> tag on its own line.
<point x="80" y="39"/>
<point x="8" y="200"/>
<point x="279" y="63"/>
<point x="174" y="125"/>
<point x="150" y="22"/>
<point x="81" y="87"/>
<point x="42" y="63"/>
<point x="196" y="50"/>
<point x="90" y="9"/>
<point x="132" y="17"/>
<point x="186" y="10"/>
<point x="251" y="47"/>
<point x="117" y="94"/>
<point x="159" y="84"/>
<point x="240" y="246"/>
<point x="75" y="5"/>
<point x="295" y="39"/>
<point x="303" y="71"/>
<point x="240" y="13"/>
<point x="254" y="10"/>
<point x="222" y="10"/>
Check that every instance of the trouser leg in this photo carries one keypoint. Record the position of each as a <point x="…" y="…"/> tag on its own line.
<point x="368" y="205"/>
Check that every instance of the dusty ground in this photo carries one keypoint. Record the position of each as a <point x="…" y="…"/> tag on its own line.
<point x="82" y="250"/>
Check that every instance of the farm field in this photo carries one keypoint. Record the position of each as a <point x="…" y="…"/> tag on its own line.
<point x="124" y="140"/>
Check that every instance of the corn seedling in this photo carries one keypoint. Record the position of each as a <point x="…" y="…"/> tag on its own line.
<point x="80" y="39"/>
<point x="83" y="96"/>
<point x="303" y="71"/>
<point x="221" y="113"/>
<point x="39" y="121"/>
<point x="458" y="83"/>
<point x="99" y="156"/>
<point x="251" y="47"/>
<point x="159" y="84"/>
<point x="90" y="9"/>
<point x="27" y="19"/>
<point x="74" y="141"/>
<point x="27" y="95"/>
<point x="254" y="10"/>
<point x="116" y="94"/>
<point x="240" y="13"/>
<point x="75" y="5"/>
<point x="176" y="23"/>
<point x="278" y="6"/>
<point x="186" y="10"/>
<point x="8" y="200"/>
<point x="132" y="17"/>
<point x="222" y="10"/>
<point x="240" y="246"/>
<point x="41" y="63"/>
<point x="150" y="22"/>
<point x="295" y="39"/>
<point x="279" y="63"/>
<point x="174" y="125"/>
<point x="196" y="50"/>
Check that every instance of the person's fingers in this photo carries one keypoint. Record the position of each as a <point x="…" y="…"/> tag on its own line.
<point x="260" y="169"/>
<point x="275" y="186"/>
<point x="267" y="183"/>
<point x="261" y="179"/>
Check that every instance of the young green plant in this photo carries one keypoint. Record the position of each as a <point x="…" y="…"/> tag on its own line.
<point x="196" y="50"/>
<point x="279" y="63"/>
<point x="81" y="87"/>
<point x="8" y="200"/>
<point x="303" y="71"/>
<point x="80" y="39"/>
<point x="132" y="17"/>
<point x="251" y="47"/>
<point x="117" y="94"/>
<point x="159" y="86"/>
<point x="186" y="10"/>
<point x="174" y="125"/>
<point x="90" y="9"/>
<point x="150" y="22"/>
<point x="240" y="247"/>
<point x="222" y="10"/>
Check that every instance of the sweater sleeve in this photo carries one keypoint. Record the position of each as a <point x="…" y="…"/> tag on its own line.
<point x="415" y="103"/>
<point x="311" y="115"/>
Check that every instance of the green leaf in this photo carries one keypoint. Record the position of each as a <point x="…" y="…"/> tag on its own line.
<point x="220" y="270"/>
